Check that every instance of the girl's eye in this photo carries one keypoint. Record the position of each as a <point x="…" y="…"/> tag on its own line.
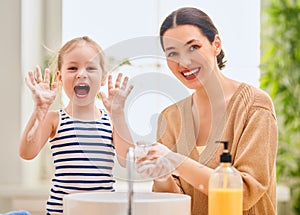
<point x="73" y="68"/>
<point x="92" y="69"/>
<point x="194" y="47"/>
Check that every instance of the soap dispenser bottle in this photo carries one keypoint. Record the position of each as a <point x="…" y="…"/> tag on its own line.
<point x="225" y="191"/>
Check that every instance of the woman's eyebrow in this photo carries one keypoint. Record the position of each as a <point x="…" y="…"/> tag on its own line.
<point x="169" y="48"/>
<point x="187" y="43"/>
<point x="191" y="41"/>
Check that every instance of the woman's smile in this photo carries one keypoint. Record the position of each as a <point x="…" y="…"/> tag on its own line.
<point x="190" y="74"/>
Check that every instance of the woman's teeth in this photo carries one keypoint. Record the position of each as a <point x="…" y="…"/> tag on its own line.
<point x="192" y="72"/>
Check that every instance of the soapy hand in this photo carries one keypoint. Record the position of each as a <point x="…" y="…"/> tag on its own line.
<point x="43" y="93"/>
<point x="117" y="94"/>
<point x="156" y="161"/>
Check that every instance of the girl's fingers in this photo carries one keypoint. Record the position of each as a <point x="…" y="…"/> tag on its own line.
<point x="47" y="76"/>
<point x="124" y="84"/>
<point x="129" y="90"/>
<point x="118" y="81"/>
<point x="110" y="84"/>
<point x="38" y="72"/>
<point x="29" y="83"/>
<point x="103" y="97"/>
<point x="120" y="86"/>
<point x="31" y="78"/>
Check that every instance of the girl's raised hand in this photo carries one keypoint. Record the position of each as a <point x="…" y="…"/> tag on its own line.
<point x="117" y="94"/>
<point x="43" y="93"/>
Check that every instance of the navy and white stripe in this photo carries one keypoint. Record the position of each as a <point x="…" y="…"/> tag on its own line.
<point x="83" y="156"/>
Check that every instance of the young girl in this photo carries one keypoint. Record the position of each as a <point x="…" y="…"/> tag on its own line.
<point x="81" y="136"/>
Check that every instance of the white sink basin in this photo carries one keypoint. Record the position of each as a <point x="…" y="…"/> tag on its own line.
<point x="116" y="203"/>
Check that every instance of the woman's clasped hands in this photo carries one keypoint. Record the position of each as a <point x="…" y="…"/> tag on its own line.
<point x="155" y="160"/>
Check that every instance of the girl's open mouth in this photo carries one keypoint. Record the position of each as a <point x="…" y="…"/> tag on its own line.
<point x="82" y="90"/>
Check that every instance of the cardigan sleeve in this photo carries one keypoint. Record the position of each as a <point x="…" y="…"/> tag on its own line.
<point x="165" y="135"/>
<point x="255" y="151"/>
<point x="167" y="129"/>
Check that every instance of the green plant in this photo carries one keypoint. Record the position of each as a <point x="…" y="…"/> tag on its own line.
<point x="280" y="76"/>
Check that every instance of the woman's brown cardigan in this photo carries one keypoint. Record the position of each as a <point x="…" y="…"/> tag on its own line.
<point x="250" y="127"/>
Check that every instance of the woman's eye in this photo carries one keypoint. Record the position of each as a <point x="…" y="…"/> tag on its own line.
<point x="194" y="47"/>
<point x="172" y="54"/>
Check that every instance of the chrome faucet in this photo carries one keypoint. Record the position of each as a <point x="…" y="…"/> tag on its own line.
<point x="130" y="169"/>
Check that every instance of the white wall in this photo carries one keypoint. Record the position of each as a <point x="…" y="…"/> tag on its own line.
<point x="26" y="27"/>
<point x="41" y="36"/>
<point x="10" y="109"/>
<point x="113" y="21"/>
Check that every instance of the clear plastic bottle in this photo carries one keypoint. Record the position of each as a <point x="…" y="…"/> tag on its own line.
<point x="225" y="194"/>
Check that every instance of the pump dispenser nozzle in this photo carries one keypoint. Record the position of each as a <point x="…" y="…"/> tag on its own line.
<point x="225" y="156"/>
<point x="225" y="192"/>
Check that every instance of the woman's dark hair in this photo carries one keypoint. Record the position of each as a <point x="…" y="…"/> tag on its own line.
<point x="196" y="17"/>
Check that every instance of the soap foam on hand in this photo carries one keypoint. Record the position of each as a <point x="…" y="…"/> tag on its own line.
<point x="152" y="162"/>
<point x="141" y="150"/>
<point x="158" y="169"/>
<point x="144" y="163"/>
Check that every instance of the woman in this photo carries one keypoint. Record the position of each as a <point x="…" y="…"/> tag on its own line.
<point x="219" y="109"/>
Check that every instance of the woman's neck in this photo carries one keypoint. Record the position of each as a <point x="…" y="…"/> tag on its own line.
<point x="216" y="91"/>
<point x="211" y="90"/>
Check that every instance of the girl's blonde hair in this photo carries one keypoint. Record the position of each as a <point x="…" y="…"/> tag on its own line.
<point x="57" y="60"/>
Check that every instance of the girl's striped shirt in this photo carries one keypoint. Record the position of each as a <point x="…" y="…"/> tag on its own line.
<point x="83" y="156"/>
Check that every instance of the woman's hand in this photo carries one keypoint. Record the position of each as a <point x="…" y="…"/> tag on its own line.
<point x="117" y="94"/>
<point x="43" y="93"/>
<point x="157" y="161"/>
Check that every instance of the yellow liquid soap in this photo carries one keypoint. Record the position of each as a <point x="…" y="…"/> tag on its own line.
<point x="225" y="202"/>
